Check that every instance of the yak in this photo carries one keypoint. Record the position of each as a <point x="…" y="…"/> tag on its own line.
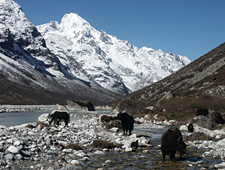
<point x="105" y="118"/>
<point x="57" y="116"/>
<point x="172" y="141"/>
<point x="190" y="127"/>
<point x="217" y="118"/>
<point x="203" y="112"/>
<point x="127" y="122"/>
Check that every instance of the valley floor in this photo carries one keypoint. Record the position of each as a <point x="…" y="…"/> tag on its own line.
<point x="35" y="146"/>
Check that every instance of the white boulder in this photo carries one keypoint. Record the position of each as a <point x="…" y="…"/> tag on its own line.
<point x="13" y="149"/>
<point x="43" y="118"/>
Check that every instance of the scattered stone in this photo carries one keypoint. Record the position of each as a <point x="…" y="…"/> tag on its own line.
<point x="9" y="156"/>
<point x="85" y="159"/>
<point x="50" y="168"/>
<point x="221" y="165"/>
<point x="17" y="143"/>
<point x="13" y="149"/>
<point x="183" y="127"/>
<point x="43" y="118"/>
<point x="103" y="144"/>
<point x="145" y="151"/>
<point x="15" y="167"/>
<point x="198" y="136"/>
<point x="108" y="161"/>
<point x="75" y="162"/>
<point x="98" y="152"/>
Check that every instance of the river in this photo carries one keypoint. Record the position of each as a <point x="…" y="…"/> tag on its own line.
<point x="18" y="118"/>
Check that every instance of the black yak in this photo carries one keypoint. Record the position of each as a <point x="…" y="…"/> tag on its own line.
<point x="203" y="112"/>
<point x="217" y="118"/>
<point x="190" y="127"/>
<point x="127" y="122"/>
<point x="57" y="116"/>
<point x="171" y="142"/>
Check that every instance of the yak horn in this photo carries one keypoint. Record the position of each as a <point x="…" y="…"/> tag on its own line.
<point x="178" y="138"/>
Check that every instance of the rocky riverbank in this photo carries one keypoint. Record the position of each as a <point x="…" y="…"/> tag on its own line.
<point x="23" y="108"/>
<point x="85" y="144"/>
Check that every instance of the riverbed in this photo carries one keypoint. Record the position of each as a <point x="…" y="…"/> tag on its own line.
<point x="84" y="128"/>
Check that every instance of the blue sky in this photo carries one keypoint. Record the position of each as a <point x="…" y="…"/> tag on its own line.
<point x="186" y="27"/>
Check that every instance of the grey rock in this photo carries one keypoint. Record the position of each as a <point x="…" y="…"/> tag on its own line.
<point x="9" y="156"/>
<point x="15" y="167"/>
<point x="13" y="149"/>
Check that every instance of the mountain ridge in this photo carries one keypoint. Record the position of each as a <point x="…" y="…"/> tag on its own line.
<point x="127" y="63"/>
<point x="30" y="73"/>
<point x="200" y="84"/>
<point x="38" y="69"/>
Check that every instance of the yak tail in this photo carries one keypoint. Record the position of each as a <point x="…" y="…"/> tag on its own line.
<point x="69" y="118"/>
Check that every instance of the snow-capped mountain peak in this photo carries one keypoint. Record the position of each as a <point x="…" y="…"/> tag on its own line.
<point x="72" y="21"/>
<point x="10" y="8"/>
<point x="30" y="73"/>
<point x="112" y="63"/>
<point x="71" y="24"/>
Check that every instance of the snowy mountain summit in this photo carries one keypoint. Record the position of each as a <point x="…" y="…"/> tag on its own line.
<point x="20" y="37"/>
<point x="72" y="60"/>
<point x="31" y="74"/>
<point x="112" y="63"/>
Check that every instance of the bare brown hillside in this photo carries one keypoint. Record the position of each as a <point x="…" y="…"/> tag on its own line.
<point x="201" y="84"/>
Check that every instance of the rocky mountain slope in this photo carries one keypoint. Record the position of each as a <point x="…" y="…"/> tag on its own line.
<point x="201" y="84"/>
<point x="114" y="64"/>
<point x="30" y="73"/>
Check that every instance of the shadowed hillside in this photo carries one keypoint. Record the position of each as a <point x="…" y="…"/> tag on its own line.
<point x="201" y="84"/>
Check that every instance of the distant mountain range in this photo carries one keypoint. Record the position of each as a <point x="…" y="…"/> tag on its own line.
<point x="112" y="63"/>
<point x="71" y="60"/>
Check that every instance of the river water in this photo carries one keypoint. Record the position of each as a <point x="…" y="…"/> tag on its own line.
<point x="143" y="158"/>
<point x="18" y="118"/>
